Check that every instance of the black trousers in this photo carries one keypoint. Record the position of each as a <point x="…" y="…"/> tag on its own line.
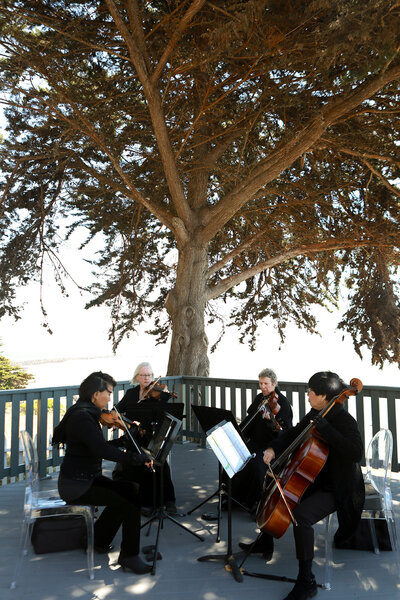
<point x="313" y="507"/>
<point x="121" y="502"/>
<point x="149" y="482"/>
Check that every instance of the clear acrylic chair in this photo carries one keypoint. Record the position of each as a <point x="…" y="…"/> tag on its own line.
<point x="39" y="504"/>
<point x="378" y="495"/>
<point x="378" y="500"/>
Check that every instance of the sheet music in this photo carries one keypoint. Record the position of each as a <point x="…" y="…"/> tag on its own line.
<point x="229" y="448"/>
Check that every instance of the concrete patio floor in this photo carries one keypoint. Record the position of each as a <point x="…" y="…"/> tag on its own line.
<point x="179" y="575"/>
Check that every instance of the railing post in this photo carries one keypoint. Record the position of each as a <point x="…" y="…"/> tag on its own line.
<point x="41" y="443"/>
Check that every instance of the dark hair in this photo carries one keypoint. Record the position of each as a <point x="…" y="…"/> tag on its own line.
<point x="326" y="382"/>
<point x="95" y="382"/>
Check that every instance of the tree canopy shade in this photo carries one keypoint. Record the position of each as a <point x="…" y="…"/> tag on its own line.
<point x="12" y="377"/>
<point x="225" y="149"/>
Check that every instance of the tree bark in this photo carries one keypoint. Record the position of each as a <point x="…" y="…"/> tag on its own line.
<point x="186" y="304"/>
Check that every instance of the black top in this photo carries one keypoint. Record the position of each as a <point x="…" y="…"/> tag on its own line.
<point x="86" y="446"/>
<point x="149" y="412"/>
<point x="261" y="431"/>
<point x="341" y="473"/>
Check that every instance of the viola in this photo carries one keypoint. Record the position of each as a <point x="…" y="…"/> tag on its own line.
<point x="299" y="465"/>
<point x="272" y="406"/>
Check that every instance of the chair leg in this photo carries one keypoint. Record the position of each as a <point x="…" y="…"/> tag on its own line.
<point x="23" y="545"/>
<point x="374" y="537"/>
<point x="90" y="541"/>
<point x="328" y="554"/>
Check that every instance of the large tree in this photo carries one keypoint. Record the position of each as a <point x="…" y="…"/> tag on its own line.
<point x="244" y="149"/>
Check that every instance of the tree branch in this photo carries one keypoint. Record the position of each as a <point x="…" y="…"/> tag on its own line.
<point x="186" y="19"/>
<point x="214" y="291"/>
<point x="293" y="148"/>
<point x="158" y="120"/>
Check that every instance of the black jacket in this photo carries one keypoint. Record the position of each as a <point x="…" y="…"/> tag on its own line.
<point x="341" y="473"/>
<point x="260" y="431"/>
<point x="81" y="433"/>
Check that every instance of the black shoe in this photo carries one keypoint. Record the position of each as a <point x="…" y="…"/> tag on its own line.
<point x="171" y="508"/>
<point x="133" y="563"/>
<point x="103" y="549"/>
<point x="303" y="589"/>
<point x="147" y="511"/>
<point x="259" y="547"/>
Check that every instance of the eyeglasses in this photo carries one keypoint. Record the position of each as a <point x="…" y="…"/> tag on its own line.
<point x="143" y="375"/>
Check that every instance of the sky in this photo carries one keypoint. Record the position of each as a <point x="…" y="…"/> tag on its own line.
<point x="79" y="345"/>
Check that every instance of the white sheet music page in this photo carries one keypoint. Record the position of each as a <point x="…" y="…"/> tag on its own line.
<point x="229" y="448"/>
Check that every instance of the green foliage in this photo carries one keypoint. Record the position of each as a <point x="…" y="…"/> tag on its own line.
<point x="11" y="376"/>
<point x="266" y="132"/>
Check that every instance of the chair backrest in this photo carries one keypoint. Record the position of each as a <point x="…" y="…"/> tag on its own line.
<point x="31" y="461"/>
<point x="379" y="460"/>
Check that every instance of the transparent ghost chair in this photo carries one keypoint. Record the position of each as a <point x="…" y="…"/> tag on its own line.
<point x="378" y="495"/>
<point x="378" y="500"/>
<point x="38" y="504"/>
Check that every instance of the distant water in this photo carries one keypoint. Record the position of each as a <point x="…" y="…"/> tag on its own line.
<point x="66" y="372"/>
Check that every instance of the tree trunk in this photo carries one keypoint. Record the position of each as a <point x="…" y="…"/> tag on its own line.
<point x="186" y="305"/>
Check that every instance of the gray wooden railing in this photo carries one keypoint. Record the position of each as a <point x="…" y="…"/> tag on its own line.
<point x="39" y="410"/>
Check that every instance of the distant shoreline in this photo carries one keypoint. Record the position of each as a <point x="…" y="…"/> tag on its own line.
<point x="43" y="361"/>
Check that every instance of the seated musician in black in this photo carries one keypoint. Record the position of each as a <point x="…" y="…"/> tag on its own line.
<point x="258" y="429"/>
<point x="338" y="486"/>
<point x="81" y="480"/>
<point x="136" y="406"/>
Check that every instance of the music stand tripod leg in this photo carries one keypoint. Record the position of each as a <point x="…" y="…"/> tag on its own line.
<point x="213" y="495"/>
<point x="228" y="558"/>
<point x="161" y="514"/>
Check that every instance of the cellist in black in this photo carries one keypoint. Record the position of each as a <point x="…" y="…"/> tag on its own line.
<point x="339" y="484"/>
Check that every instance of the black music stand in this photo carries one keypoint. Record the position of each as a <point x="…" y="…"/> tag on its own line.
<point x="212" y="416"/>
<point x="209" y="417"/>
<point x="158" y="449"/>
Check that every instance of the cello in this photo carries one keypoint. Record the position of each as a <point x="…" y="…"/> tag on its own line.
<point x="298" y="466"/>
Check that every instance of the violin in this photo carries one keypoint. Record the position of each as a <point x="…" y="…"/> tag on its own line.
<point x="154" y="391"/>
<point x="110" y="418"/>
<point x="307" y="456"/>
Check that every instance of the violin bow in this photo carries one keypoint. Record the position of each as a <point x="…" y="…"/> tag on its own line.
<point x="130" y="435"/>
<point x="278" y="485"/>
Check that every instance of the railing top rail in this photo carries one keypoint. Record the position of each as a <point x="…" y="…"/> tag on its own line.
<point x="187" y="379"/>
